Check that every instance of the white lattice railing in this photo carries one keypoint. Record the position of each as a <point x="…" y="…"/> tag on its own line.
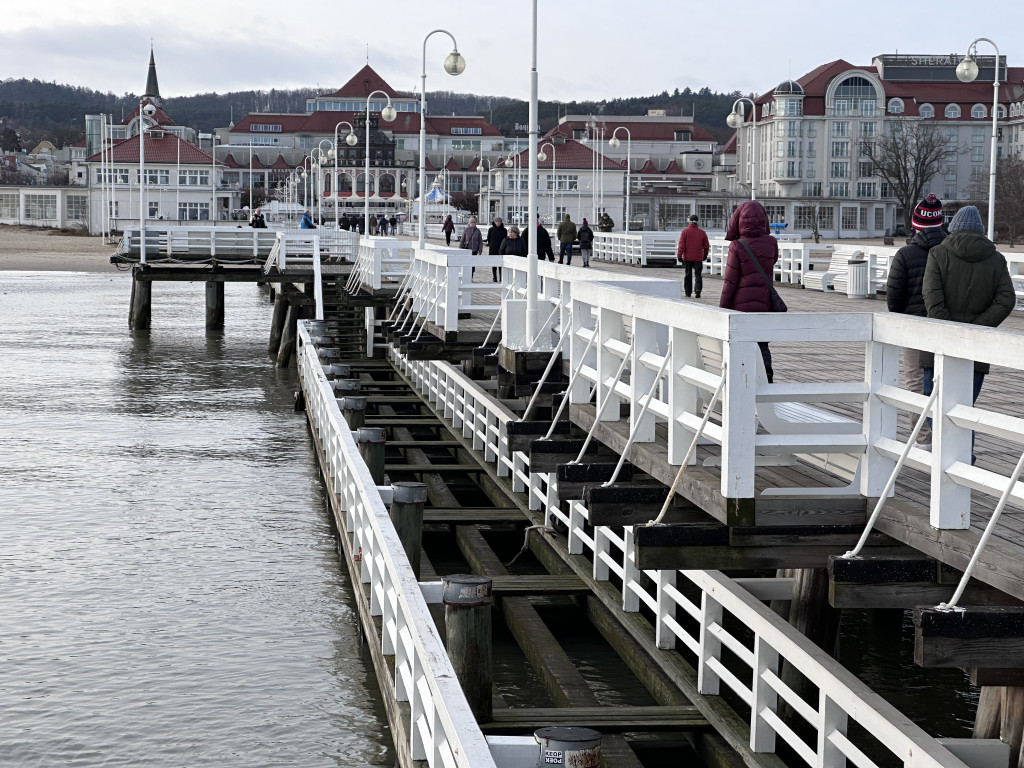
<point x="440" y="286"/>
<point x="441" y="726"/>
<point x="222" y="243"/>
<point x="699" y="626"/>
<point x="380" y="262"/>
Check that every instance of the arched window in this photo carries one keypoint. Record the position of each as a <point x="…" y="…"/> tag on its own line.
<point x="854" y="95"/>
<point x="895" y="106"/>
<point x="926" y="111"/>
<point x="979" y="111"/>
<point x="1001" y="112"/>
<point x="952" y="111"/>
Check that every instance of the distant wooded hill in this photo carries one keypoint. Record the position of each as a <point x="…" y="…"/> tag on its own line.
<point x="37" y="110"/>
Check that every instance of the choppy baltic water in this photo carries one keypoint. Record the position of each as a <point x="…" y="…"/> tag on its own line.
<point x="170" y="593"/>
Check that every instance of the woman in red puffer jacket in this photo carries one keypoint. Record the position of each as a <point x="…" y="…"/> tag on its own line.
<point x="743" y="288"/>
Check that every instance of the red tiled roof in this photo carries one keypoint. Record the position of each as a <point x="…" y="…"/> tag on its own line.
<point x="451" y="165"/>
<point x="672" y="168"/>
<point x="280" y="164"/>
<point x="649" y="167"/>
<point x="363" y="83"/>
<point x="730" y="146"/>
<point x="429" y="166"/>
<point x="571" y="155"/>
<point x="230" y="161"/>
<point x="169" y="149"/>
<point x="161" y="117"/>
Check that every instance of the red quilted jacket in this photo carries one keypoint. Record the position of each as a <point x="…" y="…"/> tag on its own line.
<point x="743" y="288"/>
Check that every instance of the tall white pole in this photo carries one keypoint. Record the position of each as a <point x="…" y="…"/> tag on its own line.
<point x="532" y="311"/>
<point x="757" y="178"/>
<point x="142" y="185"/>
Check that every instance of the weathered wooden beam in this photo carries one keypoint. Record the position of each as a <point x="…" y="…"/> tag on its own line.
<point x="604" y="719"/>
<point x="468" y="515"/>
<point x="141" y="313"/>
<point x="539" y="585"/>
<point x="573" y="478"/>
<point x="974" y="636"/>
<point x="214" y="305"/>
<point x="624" y="504"/>
<point x="547" y="455"/>
<point x="522" y="433"/>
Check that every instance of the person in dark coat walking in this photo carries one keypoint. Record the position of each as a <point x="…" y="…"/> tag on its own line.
<point x="543" y="243"/>
<point x="307" y="221"/>
<point x="692" y="249"/>
<point x="513" y="244"/>
<point x="344" y="223"/>
<point x="903" y="287"/>
<point x="966" y="281"/>
<point x="743" y="288"/>
<point x="496" y="235"/>
<point x="586" y="238"/>
<point x="258" y="221"/>
<point x="605" y="223"/>
<point x="393" y="225"/>
<point x="566" y="234"/>
<point x="448" y="228"/>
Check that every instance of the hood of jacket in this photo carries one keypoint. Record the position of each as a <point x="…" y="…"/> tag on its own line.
<point x="749" y="220"/>
<point x="969" y="246"/>
<point x="927" y="238"/>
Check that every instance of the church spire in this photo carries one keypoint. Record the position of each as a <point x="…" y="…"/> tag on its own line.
<point x="152" y="87"/>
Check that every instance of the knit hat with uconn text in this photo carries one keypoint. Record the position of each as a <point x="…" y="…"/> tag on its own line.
<point x="927" y="214"/>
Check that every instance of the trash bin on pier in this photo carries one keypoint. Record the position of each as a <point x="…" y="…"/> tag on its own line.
<point x="857" y="279"/>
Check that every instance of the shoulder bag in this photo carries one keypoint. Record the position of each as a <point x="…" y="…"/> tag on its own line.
<point x="778" y="305"/>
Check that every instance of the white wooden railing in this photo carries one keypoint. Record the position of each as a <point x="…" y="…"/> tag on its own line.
<point x="222" y="243"/>
<point x="635" y="248"/>
<point x="381" y="262"/>
<point x="440" y="285"/>
<point x="794" y="260"/>
<point x="441" y="726"/>
<point x="698" y="626"/>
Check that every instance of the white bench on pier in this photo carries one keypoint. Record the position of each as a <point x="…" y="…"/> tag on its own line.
<point x="838" y="267"/>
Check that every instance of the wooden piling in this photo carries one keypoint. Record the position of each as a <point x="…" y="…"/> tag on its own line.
<point x="568" y="746"/>
<point x="214" y="305"/>
<point x="142" y="304"/>
<point x="406" y="513"/>
<point x="1011" y="715"/>
<point x="371" y="447"/>
<point x="467" y="617"/>
<point x="277" y="324"/>
<point x="987" y="719"/>
<point x="353" y="408"/>
<point x="289" y="336"/>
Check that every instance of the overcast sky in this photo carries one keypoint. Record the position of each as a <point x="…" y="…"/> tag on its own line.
<point x="587" y="50"/>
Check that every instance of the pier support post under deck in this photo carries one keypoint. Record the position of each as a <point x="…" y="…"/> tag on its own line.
<point x="568" y="745"/>
<point x="277" y="321"/>
<point x="214" y="305"/>
<point x="406" y="514"/>
<point x="289" y="335"/>
<point x="987" y="719"/>
<point x="371" y="447"/>
<point x="142" y="303"/>
<point x="467" y="617"/>
<point x="353" y="408"/>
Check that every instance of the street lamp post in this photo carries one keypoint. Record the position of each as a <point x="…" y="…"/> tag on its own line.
<point x="317" y="165"/>
<point x="351" y="139"/>
<point x="454" y="64"/>
<point x="967" y="72"/>
<point x="614" y="143"/>
<point x="532" y="279"/>
<point x="387" y="114"/>
<point x="480" y="191"/>
<point x="144" y="112"/>
<point x="554" y="175"/>
<point x="735" y="120"/>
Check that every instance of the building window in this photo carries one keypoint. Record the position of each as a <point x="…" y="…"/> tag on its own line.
<point x="865" y="189"/>
<point x="115" y="175"/>
<point x="879" y="219"/>
<point x="854" y="95"/>
<point x="840" y="170"/>
<point x="1001" y="112"/>
<point x="466" y="131"/>
<point x="868" y="130"/>
<point x="952" y="111"/>
<point x="848" y="218"/>
<point x="864" y="169"/>
<point x="839" y="189"/>
<point x="40" y="206"/>
<point x="194" y="211"/>
<point x="155" y="176"/>
<point x="978" y="111"/>
<point x="812" y="189"/>
<point x="868" y="108"/>
<point x="75" y="207"/>
<point x="193" y="178"/>
<point x="926" y="111"/>
<point x="711" y="216"/>
<point x="809" y="171"/>
<point x="949" y="191"/>
<point x="8" y="206"/>
<point x="810" y="149"/>
<point x="977" y="154"/>
<point x="841" y="129"/>
<point x="789" y="107"/>
<point x="826" y="214"/>
<point x="265" y="127"/>
<point x="563" y="182"/>
<point x="883" y="189"/>
<point x="841" y="107"/>
<point x="776" y="213"/>
<point x="978" y="135"/>
<point x="465" y="145"/>
<point x="510" y="183"/>
<point x="682" y="135"/>
<point x="840" y="149"/>
<point x="265" y="141"/>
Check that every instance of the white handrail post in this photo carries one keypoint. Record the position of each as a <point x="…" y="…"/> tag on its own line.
<point x="647" y="337"/>
<point x="950" y="501"/>
<point x="739" y="419"/>
<point x="582" y="318"/>
<point x="608" y="364"/>
<point x="664" y="637"/>
<point x="452" y="277"/>
<point x="710" y="646"/>
<point x="682" y="396"/>
<point x="831" y="718"/>
<point x="766" y="660"/>
<point x="882" y="368"/>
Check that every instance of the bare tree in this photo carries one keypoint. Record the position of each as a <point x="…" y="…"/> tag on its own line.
<point x="1009" y="195"/>
<point x="906" y="157"/>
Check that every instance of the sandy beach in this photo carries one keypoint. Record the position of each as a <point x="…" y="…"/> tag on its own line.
<point x="28" y="249"/>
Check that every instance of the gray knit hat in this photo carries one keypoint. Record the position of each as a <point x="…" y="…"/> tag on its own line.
<point x="967" y="218"/>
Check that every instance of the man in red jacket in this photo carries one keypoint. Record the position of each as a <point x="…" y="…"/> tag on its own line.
<point x="692" y="250"/>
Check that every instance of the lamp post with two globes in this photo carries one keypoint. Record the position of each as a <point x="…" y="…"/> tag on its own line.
<point x="542" y="156"/>
<point x="454" y="64"/>
<point x="734" y="121"/>
<point x="351" y="139"/>
<point x="967" y="72"/>
<point x="387" y="114"/>
<point x="614" y="143"/>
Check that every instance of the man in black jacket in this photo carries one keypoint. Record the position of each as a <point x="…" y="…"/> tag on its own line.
<point x="543" y="242"/>
<point x="903" y="288"/>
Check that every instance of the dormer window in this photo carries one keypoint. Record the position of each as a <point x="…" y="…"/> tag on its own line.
<point x="979" y="112"/>
<point x="952" y="111"/>
<point x="895" y="106"/>
<point x="926" y="111"/>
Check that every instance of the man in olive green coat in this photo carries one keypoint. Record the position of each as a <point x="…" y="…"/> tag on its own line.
<point x="966" y="281"/>
<point x="566" y="234"/>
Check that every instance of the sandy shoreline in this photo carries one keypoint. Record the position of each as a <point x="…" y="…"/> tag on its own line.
<point x="28" y="249"/>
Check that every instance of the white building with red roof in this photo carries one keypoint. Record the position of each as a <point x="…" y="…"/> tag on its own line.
<point x="812" y="134"/>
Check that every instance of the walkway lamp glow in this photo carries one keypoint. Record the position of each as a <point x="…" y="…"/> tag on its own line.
<point x="543" y="156"/>
<point x="967" y="72"/>
<point x="614" y="143"/>
<point x="144" y="111"/>
<point x="454" y="64"/>
<point x="734" y="121"/>
<point x="351" y="139"/>
<point x="387" y="115"/>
